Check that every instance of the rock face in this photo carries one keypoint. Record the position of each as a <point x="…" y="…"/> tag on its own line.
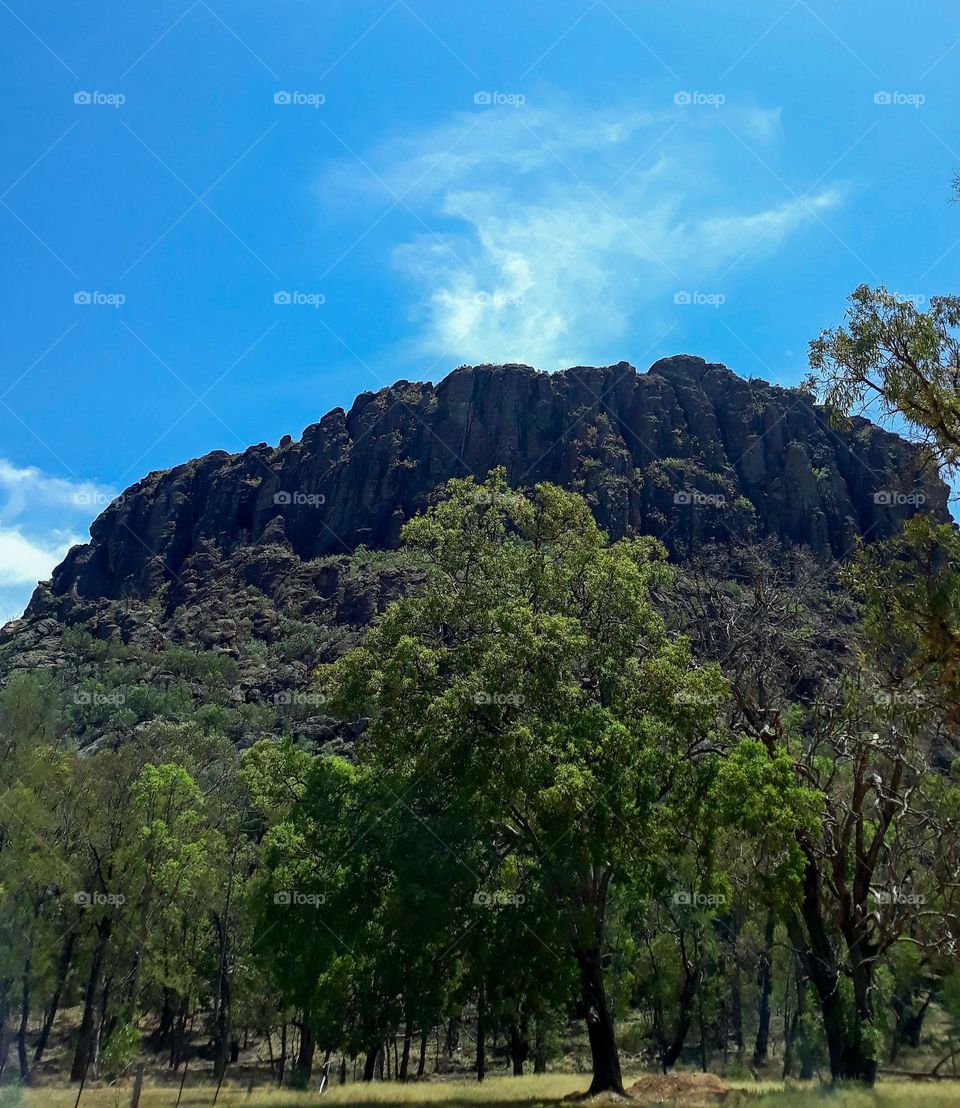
<point x="215" y="589"/>
<point x="688" y="451"/>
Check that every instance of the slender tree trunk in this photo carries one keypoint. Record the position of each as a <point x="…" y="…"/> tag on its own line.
<point x="736" y="1015"/>
<point x="370" y="1064"/>
<point x="765" y="985"/>
<point x="600" y="1030"/>
<point x="222" y="998"/>
<point x="422" y="1061"/>
<point x="909" y="1020"/>
<point x="481" y="1041"/>
<point x="813" y="944"/>
<point x="100" y="1037"/>
<point x="672" y="1050"/>
<point x="84" y="1052"/>
<point x="405" y="1057"/>
<point x="519" y="1047"/>
<point x="178" y="1044"/>
<point x="806" y="1064"/>
<point x="453" y="1035"/>
<point x="4" y="1023"/>
<point x="24" y="1022"/>
<point x="540" y="1046"/>
<point x="63" y="968"/>
<point x="161" y="1037"/>
<point x="283" y="1053"/>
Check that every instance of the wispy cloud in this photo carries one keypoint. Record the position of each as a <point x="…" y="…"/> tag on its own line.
<point x="41" y="517"/>
<point x="543" y="233"/>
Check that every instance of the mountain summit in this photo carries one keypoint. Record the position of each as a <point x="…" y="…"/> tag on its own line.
<point x="688" y="452"/>
<point x="247" y="565"/>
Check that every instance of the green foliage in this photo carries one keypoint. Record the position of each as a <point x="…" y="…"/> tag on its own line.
<point x="905" y="360"/>
<point x="121" y="1050"/>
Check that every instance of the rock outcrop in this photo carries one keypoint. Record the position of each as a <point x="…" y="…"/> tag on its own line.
<point x="250" y="560"/>
<point x="688" y="451"/>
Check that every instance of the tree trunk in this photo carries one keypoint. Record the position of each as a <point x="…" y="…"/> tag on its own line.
<point x="85" y="1049"/>
<point x="4" y="1023"/>
<point x="736" y="1016"/>
<point x="765" y="985"/>
<point x="24" y="1021"/>
<point x="806" y="1063"/>
<point x="540" y="1046"/>
<point x="672" y="1050"/>
<point x="281" y="1069"/>
<point x="161" y="1036"/>
<point x="63" y="968"/>
<point x="101" y="1034"/>
<point x="453" y="1035"/>
<point x="308" y="1046"/>
<point x="595" y="1010"/>
<point x="422" y="1061"/>
<point x="370" y="1064"/>
<point x="861" y="1065"/>
<point x="178" y="1040"/>
<point x="405" y="1057"/>
<point x="909" y="1020"/>
<point x="813" y="945"/>
<point x="519" y="1046"/>
<point x="481" y="1042"/>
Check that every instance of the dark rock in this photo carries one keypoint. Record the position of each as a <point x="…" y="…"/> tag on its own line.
<point x="224" y="548"/>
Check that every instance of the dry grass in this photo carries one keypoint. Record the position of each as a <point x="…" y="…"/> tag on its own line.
<point x="524" y="1092"/>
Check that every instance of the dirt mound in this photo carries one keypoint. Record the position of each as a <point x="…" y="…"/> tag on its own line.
<point x="692" y="1090"/>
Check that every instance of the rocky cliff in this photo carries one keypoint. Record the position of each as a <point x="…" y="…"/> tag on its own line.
<point x="688" y="451"/>
<point x="251" y="556"/>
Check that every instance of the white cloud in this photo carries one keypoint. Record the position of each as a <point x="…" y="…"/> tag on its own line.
<point x="41" y="517"/>
<point x="542" y="234"/>
<point x="25" y="562"/>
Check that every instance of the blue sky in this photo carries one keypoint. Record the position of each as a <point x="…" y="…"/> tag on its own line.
<point x="219" y="220"/>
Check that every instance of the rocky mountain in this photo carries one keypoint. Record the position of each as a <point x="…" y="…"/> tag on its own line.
<point x="232" y="548"/>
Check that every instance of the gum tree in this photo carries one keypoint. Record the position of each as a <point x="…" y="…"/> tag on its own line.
<point x="529" y="691"/>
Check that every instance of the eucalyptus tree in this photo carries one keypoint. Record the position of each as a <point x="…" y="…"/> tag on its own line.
<point x="530" y="692"/>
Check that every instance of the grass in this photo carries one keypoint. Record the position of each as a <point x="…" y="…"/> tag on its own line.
<point x="508" y="1092"/>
